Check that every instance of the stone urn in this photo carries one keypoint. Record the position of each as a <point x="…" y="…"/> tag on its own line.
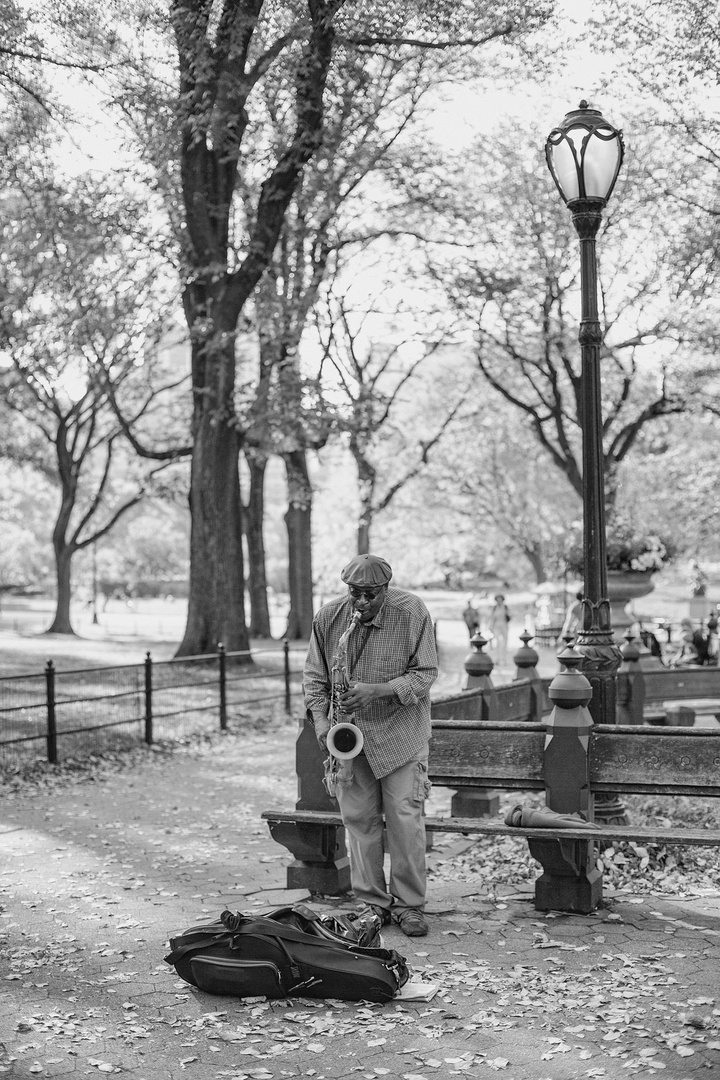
<point x="623" y="587"/>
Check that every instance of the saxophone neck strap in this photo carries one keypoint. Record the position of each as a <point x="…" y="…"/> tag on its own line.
<point x="363" y="643"/>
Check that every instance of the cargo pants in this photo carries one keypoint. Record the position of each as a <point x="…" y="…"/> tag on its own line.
<point x="400" y="797"/>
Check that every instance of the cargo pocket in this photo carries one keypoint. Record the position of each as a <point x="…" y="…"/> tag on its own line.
<point x="421" y="784"/>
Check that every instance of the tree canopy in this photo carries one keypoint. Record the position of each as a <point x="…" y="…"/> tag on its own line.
<point x="275" y="148"/>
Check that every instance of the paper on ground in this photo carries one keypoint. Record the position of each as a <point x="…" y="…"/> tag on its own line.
<point x="414" y="990"/>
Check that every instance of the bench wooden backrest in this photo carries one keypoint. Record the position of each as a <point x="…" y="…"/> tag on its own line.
<point x="676" y="684"/>
<point x="669" y="761"/>
<point x="525" y="699"/>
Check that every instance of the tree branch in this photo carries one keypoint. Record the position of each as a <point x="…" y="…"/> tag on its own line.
<point x="42" y="58"/>
<point x="279" y="187"/>
<point x="422" y="43"/>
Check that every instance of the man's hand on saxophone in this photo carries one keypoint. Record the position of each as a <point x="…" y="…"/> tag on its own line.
<point x="361" y="694"/>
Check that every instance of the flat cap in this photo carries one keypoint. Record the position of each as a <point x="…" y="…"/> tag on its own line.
<point x="367" y="570"/>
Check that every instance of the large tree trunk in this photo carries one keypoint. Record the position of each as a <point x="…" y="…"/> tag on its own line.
<point x="363" y="537"/>
<point x="63" y="549"/>
<point x="61" y="624"/>
<point x="366" y="487"/>
<point x="219" y="66"/>
<point x="254" y="518"/>
<point x="535" y="558"/>
<point x="298" y="523"/>
<point x="216" y="603"/>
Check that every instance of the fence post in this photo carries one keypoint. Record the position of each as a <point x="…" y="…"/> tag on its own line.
<point x="148" y="700"/>
<point x="286" y="661"/>
<point x="223" y="686"/>
<point x="51" y="718"/>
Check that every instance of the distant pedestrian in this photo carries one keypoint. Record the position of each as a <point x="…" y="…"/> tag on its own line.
<point x="693" y="646"/>
<point x="471" y="617"/>
<point x="498" y="626"/>
<point x="652" y="644"/>
<point x="712" y="631"/>
<point x="573" y="619"/>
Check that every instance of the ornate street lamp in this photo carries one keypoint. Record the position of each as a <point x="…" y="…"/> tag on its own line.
<point x="584" y="155"/>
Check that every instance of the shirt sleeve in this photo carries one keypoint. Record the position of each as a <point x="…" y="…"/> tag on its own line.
<point x="316" y="678"/>
<point x="422" y="669"/>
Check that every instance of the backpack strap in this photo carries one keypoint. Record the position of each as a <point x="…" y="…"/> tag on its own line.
<point x="270" y="928"/>
<point x="196" y="945"/>
<point x="280" y="933"/>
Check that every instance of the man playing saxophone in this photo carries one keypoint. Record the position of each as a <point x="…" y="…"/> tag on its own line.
<point x="389" y="662"/>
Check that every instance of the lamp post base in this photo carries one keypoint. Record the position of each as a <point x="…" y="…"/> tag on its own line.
<point x="601" y="661"/>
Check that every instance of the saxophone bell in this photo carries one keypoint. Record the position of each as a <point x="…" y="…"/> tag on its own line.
<point x="345" y="741"/>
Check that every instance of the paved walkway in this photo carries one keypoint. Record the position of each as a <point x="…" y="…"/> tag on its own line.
<point x="97" y="874"/>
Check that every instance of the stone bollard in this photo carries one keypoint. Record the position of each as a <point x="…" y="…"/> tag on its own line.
<point x="570" y="879"/>
<point x="478" y="665"/>
<point x="477" y="802"/>
<point x="526" y="661"/>
<point x="631" y="683"/>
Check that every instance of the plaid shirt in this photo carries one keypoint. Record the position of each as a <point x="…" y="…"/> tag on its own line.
<point x="400" y="650"/>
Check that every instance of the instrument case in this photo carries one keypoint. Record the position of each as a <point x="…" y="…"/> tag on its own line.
<point x="289" y="952"/>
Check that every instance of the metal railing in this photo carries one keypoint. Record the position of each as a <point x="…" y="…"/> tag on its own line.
<point x="152" y="701"/>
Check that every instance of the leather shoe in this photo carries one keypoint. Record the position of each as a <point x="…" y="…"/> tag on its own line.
<point x="412" y="922"/>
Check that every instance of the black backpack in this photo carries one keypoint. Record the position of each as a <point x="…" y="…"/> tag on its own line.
<point x="292" y="951"/>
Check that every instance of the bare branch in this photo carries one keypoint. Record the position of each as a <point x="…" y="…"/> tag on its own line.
<point x="422" y="43"/>
<point x="44" y="58"/>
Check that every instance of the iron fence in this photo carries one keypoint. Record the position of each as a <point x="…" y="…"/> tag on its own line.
<point x="152" y="701"/>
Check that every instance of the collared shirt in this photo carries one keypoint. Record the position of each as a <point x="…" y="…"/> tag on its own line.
<point x="398" y="647"/>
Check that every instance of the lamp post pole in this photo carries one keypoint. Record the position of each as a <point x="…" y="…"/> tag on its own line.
<point x="584" y="155"/>
<point x="94" y="585"/>
<point x="595" y="639"/>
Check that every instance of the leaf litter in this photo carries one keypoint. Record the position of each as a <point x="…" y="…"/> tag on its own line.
<point x="620" y="1006"/>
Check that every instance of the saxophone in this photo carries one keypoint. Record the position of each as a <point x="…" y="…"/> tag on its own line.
<point x="345" y="739"/>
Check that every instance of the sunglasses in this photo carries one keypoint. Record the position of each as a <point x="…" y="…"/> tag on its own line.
<point x="369" y="594"/>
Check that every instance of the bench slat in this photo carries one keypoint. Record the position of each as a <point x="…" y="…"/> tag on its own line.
<point x="511" y="702"/>
<point x="653" y="762"/>
<point x="487" y="780"/>
<point x="481" y="826"/>
<point x="678" y="683"/>
<point x="497" y="754"/>
<point x="622" y="758"/>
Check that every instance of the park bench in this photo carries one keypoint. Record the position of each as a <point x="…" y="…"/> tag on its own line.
<point x="563" y="754"/>
<point x="666" y="695"/>
<point x="525" y="699"/>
